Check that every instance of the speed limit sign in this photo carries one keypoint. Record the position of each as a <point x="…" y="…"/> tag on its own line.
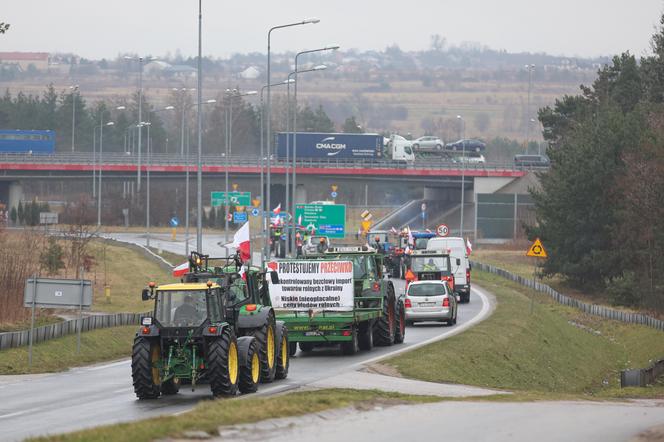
<point x="442" y="230"/>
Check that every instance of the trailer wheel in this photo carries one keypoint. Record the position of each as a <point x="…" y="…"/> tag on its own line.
<point x="353" y="346"/>
<point x="306" y="347"/>
<point x="366" y="337"/>
<point x="250" y="365"/>
<point x="384" y="328"/>
<point x="292" y="348"/>
<point x="144" y="354"/>
<point x="223" y="364"/>
<point x="283" y="350"/>
<point x="400" y="331"/>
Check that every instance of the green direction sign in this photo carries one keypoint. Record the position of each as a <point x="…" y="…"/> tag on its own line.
<point x="235" y="198"/>
<point x="327" y="219"/>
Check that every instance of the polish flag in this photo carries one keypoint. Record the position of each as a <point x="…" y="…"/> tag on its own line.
<point x="241" y="242"/>
<point x="469" y="247"/>
<point x="243" y="272"/>
<point x="180" y="270"/>
<point x="411" y="239"/>
<point x="277" y="210"/>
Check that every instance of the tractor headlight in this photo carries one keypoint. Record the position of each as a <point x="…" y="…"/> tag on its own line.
<point x="146" y="321"/>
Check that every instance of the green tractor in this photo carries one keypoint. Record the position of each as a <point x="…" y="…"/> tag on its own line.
<point x="210" y="328"/>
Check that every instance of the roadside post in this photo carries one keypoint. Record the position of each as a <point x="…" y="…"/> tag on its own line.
<point x="536" y="250"/>
<point x="59" y="294"/>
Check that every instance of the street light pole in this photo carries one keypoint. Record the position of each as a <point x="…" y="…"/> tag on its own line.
<point x="74" y="89"/>
<point x="530" y="68"/>
<point x="101" y="151"/>
<point x="269" y="116"/>
<point x="199" y="171"/>
<point x="291" y="241"/>
<point x="463" y="172"/>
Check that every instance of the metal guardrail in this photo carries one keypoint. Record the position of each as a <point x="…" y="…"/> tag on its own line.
<point x="591" y="309"/>
<point x="115" y="158"/>
<point x="642" y="377"/>
<point x="69" y="327"/>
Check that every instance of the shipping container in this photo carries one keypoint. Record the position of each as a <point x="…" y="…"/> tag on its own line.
<point x="331" y="145"/>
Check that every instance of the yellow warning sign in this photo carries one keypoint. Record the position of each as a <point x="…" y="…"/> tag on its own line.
<point x="256" y="202"/>
<point x="334" y="187"/>
<point x="537" y="249"/>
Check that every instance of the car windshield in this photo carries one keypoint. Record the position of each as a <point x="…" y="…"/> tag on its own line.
<point x="429" y="263"/>
<point x="435" y="289"/>
<point x="181" y="308"/>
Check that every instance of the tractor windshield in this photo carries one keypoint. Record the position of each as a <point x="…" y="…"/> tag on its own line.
<point x="429" y="263"/>
<point x="181" y="308"/>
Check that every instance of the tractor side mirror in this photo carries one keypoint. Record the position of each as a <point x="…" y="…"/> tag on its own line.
<point x="145" y="295"/>
<point x="274" y="277"/>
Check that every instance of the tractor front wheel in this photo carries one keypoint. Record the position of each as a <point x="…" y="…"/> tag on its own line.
<point x="144" y="374"/>
<point x="386" y="324"/>
<point x="223" y="364"/>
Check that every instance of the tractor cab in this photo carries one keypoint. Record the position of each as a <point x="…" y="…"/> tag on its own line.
<point x="429" y="265"/>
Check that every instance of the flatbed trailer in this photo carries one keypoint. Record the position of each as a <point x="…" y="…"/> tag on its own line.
<point x="377" y="314"/>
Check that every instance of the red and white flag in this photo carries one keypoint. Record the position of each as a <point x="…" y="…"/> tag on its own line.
<point x="277" y="210"/>
<point x="411" y="239"/>
<point x="180" y="270"/>
<point x="469" y="247"/>
<point x="242" y="242"/>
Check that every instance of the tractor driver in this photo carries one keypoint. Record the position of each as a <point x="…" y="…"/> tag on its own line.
<point x="430" y="266"/>
<point x="186" y="312"/>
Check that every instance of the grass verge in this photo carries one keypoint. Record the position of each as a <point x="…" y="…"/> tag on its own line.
<point x="553" y="350"/>
<point x="60" y="354"/>
<point x="126" y="271"/>
<point x="210" y="415"/>
<point x="174" y="258"/>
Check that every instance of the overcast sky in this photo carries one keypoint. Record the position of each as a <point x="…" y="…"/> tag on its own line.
<point x="156" y="27"/>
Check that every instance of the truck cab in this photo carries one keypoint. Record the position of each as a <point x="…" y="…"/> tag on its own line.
<point x="399" y="149"/>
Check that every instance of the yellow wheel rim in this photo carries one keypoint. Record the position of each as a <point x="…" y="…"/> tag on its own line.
<point x="284" y="353"/>
<point x="155" y="355"/>
<point x="232" y="363"/>
<point x="270" y="347"/>
<point x="255" y="368"/>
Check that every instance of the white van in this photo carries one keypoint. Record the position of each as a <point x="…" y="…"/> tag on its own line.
<point x="456" y="247"/>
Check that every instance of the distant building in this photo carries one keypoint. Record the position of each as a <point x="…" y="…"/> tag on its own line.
<point x="251" y="73"/>
<point x="24" y="59"/>
<point x="158" y="67"/>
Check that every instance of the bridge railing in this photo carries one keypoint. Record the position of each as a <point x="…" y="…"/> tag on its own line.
<point x="157" y="160"/>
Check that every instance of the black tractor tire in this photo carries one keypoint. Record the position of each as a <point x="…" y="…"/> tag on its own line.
<point x="283" y="350"/>
<point x="250" y="365"/>
<point x="267" y="353"/>
<point x="222" y="355"/>
<point x="170" y="387"/>
<point x="353" y="346"/>
<point x="386" y="324"/>
<point x="142" y="355"/>
<point x="400" y="329"/>
<point x="366" y="337"/>
<point x="306" y="347"/>
<point x="292" y="348"/>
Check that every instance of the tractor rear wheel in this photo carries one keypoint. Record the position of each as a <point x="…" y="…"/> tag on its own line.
<point x="223" y="364"/>
<point x="250" y="365"/>
<point x="170" y="387"/>
<point x="386" y="324"/>
<point x="145" y="375"/>
<point x="400" y="332"/>
<point x="283" y="350"/>
<point x="266" y="337"/>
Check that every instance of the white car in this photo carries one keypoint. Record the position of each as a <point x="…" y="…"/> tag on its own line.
<point x="428" y="143"/>
<point x="430" y="301"/>
<point x="310" y="246"/>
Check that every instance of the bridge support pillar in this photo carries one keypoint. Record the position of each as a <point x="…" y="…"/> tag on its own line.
<point x="15" y="194"/>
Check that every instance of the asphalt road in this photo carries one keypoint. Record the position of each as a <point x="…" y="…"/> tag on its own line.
<point x="103" y="394"/>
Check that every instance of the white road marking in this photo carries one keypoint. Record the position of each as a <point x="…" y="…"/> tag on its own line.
<point x="19" y="413"/>
<point x="103" y="367"/>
